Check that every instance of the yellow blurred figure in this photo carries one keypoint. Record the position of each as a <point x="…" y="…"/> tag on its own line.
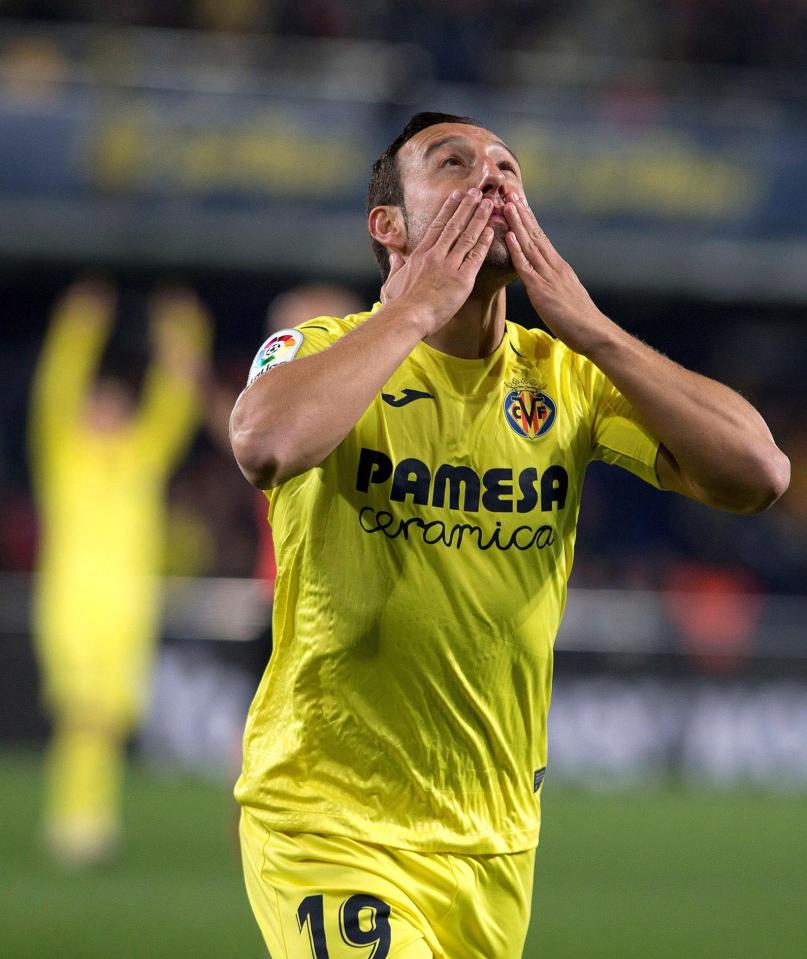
<point x="101" y="462"/>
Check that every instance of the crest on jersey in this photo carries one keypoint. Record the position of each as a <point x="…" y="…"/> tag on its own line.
<point x="279" y="348"/>
<point x="528" y="409"/>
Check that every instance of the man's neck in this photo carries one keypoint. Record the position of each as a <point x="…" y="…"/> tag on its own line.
<point x="476" y="330"/>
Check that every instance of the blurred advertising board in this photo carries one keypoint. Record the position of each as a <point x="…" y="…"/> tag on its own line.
<point x="257" y="180"/>
<point x="642" y="692"/>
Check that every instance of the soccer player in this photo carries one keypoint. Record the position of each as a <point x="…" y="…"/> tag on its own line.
<point x="101" y="463"/>
<point x="424" y="463"/>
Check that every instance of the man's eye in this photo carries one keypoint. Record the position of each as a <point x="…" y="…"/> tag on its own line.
<point x="507" y="165"/>
<point x="451" y="161"/>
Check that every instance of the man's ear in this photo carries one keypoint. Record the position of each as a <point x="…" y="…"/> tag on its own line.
<point x="386" y="225"/>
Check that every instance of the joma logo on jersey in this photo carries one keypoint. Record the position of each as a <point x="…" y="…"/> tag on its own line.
<point x="529" y="411"/>
<point x="460" y="487"/>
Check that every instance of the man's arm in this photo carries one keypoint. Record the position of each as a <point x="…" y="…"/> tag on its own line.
<point x="73" y="346"/>
<point x="180" y="333"/>
<point x="291" y="418"/>
<point x="716" y="448"/>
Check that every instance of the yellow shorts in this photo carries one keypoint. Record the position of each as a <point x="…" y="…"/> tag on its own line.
<point x="327" y="897"/>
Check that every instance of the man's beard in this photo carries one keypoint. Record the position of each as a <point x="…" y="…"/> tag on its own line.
<point x="497" y="260"/>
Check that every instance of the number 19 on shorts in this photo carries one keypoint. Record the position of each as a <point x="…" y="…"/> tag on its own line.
<point x="310" y="917"/>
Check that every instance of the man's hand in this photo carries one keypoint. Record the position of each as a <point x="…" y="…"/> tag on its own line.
<point x="439" y="274"/>
<point x="559" y="298"/>
<point x="180" y="331"/>
<point x="91" y="300"/>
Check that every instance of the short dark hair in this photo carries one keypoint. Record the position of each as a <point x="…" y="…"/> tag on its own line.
<point x="386" y="187"/>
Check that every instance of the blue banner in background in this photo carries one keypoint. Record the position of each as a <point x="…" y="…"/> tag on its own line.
<point x="256" y="151"/>
<point x="276" y="182"/>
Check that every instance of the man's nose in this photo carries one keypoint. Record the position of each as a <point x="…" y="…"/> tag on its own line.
<point x="493" y="179"/>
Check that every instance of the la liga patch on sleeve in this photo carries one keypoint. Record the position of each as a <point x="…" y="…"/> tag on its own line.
<point x="279" y="348"/>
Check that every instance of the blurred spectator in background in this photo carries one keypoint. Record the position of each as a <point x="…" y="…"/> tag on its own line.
<point x="102" y="455"/>
<point x="716" y="611"/>
<point x="301" y="303"/>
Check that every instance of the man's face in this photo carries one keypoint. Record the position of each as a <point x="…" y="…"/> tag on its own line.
<point x="457" y="156"/>
<point x="110" y="405"/>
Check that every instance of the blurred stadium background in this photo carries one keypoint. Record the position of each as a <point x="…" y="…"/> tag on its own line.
<point x="227" y="147"/>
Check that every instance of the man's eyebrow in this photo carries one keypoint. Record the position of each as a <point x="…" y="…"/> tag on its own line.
<point x="461" y="141"/>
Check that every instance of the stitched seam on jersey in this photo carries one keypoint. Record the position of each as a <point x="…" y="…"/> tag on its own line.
<point x="347" y="820"/>
<point x="351" y="821"/>
<point x="274" y="890"/>
<point x="458" y="883"/>
<point x="280" y="921"/>
<point x="646" y="468"/>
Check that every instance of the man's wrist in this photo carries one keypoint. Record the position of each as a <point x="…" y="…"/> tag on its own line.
<point x="603" y="337"/>
<point x="420" y="317"/>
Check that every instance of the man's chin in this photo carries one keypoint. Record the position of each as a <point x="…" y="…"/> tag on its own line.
<point x="498" y="261"/>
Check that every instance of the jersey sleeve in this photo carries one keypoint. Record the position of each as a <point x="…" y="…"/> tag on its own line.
<point x="617" y="434"/>
<point x="283" y="346"/>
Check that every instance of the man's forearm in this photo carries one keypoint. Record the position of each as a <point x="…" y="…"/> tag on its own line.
<point x="291" y="418"/>
<point x="721" y="452"/>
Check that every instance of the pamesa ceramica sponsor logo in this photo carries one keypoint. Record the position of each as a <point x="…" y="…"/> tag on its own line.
<point x="456" y="487"/>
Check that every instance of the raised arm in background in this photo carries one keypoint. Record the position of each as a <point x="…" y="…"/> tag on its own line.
<point x="74" y="341"/>
<point x="171" y="406"/>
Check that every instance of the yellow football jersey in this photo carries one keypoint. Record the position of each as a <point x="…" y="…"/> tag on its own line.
<point x="422" y="572"/>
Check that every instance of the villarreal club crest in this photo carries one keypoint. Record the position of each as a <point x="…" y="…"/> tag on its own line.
<point x="529" y="411"/>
